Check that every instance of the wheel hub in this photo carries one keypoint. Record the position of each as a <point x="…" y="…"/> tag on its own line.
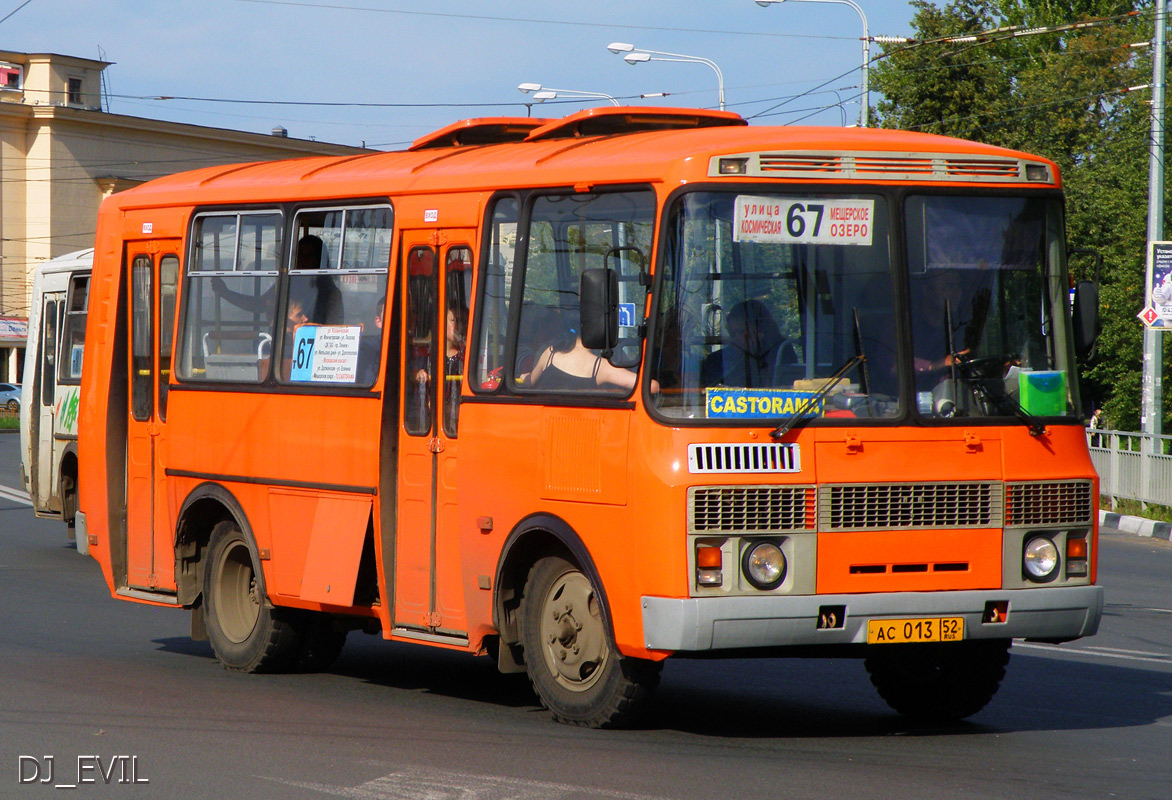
<point x="576" y="647"/>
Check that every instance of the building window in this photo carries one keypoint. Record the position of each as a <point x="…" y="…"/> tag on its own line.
<point x="74" y="96"/>
<point x="9" y="77"/>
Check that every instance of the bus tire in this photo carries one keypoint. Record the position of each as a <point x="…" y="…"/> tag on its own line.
<point x="938" y="682"/>
<point x="573" y="664"/>
<point x="246" y="633"/>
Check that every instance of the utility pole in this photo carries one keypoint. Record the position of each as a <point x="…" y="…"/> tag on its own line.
<point x="1152" y="409"/>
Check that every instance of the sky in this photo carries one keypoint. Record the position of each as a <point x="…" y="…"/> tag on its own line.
<point x="382" y="73"/>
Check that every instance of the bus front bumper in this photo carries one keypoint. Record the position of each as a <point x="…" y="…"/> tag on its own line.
<point x="721" y="623"/>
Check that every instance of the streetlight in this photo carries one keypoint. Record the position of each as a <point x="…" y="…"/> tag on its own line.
<point x="543" y="93"/>
<point x="864" y="113"/>
<point x="641" y="55"/>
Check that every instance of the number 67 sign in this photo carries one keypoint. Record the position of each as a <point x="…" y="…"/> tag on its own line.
<point x="802" y="220"/>
<point x="326" y="353"/>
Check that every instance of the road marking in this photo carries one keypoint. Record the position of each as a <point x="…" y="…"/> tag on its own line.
<point x="421" y="783"/>
<point x="15" y="494"/>
<point x="1101" y="652"/>
<point x="1121" y="607"/>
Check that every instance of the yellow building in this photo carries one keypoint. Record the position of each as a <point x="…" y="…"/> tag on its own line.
<point x="60" y="155"/>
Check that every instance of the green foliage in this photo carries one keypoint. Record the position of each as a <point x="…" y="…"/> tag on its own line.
<point x="1060" y="95"/>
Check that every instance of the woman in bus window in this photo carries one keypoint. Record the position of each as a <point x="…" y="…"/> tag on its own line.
<point x="566" y="365"/>
<point x="454" y="335"/>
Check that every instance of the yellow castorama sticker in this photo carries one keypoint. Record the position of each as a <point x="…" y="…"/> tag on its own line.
<point x="722" y="403"/>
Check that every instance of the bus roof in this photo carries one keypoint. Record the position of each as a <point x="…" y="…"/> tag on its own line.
<point x="70" y="262"/>
<point x="597" y="146"/>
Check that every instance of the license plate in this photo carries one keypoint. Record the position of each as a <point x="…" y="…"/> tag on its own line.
<point x="933" y="629"/>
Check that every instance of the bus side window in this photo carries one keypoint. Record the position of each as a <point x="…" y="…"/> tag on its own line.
<point x="337" y="278"/>
<point x="168" y="285"/>
<point x="49" y="349"/>
<point x="497" y="282"/>
<point x="142" y="375"/>
<point x="231" y="297"/>
<point x="458" y="280"/>
<point x="568" y="235"/>
<point x="421" y="341"/>
<point x="73" y="331"/>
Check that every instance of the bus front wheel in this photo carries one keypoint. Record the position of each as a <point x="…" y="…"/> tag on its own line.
<point x="576" y="671"/>
<point x="246" y="633"/>
<point x="938" y="682"/>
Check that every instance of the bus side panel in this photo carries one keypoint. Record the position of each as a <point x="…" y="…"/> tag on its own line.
<point x="282" y="456"/>
<point x="509" y="471"/>
<point x="102" y="422"/>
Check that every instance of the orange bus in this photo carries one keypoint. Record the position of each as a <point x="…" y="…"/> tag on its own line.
<point x="587" y="393"/>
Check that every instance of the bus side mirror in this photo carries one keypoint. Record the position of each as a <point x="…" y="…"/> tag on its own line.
<point x="1085" y="317"/>
<point x="599" y="309"/>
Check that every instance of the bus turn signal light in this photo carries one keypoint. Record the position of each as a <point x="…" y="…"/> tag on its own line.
<point x="708" y="566"/>
<point x="1076" y="556"/>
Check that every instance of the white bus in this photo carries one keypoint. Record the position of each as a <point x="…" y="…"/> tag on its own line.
<point x="50" y="396"/>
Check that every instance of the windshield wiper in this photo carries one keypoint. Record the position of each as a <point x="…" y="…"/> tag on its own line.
<point x="812" y="401"/>
<point x="1006" y="400"/>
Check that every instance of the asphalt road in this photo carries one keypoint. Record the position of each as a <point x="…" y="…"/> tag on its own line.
<point x="104" y="686"/>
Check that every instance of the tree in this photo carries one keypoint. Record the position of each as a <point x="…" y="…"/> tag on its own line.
<point x="1061" y="95"/>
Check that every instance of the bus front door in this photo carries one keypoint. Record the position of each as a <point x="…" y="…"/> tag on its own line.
<point x="436" y="268"/>
<point x="152" y="281"/>
<point x="44" y="495"/>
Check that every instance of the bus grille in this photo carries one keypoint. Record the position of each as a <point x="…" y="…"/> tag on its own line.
<point x="743" y="458"/>
<point x="750" y="509"/>
<point x="923" y="505"/>
<point x="1049" y="503"/>
<point x="890" y="166"/>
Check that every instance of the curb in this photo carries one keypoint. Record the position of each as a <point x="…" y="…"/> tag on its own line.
<point x="1136" y="525"/>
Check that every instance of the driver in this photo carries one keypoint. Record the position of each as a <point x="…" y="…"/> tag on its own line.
<point x="937" y="300"/>
<point x="749" y="351"/>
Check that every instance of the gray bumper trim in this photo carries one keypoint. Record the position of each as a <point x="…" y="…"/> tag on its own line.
<point x="718" y="623"/>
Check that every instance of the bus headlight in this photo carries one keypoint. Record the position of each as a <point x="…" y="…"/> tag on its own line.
<point x="1040" y="559"/>
<point x="763" y="565"/>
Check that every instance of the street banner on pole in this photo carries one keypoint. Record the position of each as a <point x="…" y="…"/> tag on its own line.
<point x="1158" y="313"/>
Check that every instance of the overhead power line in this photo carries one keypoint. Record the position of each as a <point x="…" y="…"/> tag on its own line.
<point x="568" y="23"/>
<point x="13" y="11"/>
<point x="999" y="34"/>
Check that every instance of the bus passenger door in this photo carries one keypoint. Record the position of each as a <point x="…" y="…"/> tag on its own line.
<point x="152" y="282"/>
<point x="437" y="270"/>
<point x="43" y="490"/>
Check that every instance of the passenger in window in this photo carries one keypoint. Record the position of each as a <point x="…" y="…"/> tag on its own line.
<point x="370" y="346"/>
<point x="327" y="304"/>
<point x="938" y="299"/>
<point x="750" y="352"/>
<point x="453" y="355"/>
<point x="567" y="365"/>
<point x="455" y="335"/>
<point x="295" y="317"/>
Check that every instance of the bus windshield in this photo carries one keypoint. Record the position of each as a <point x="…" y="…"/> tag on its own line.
<point x="765" y="296"/>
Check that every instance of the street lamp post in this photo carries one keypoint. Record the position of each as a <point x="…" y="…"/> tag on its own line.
<point x="543" y="93"/>
<point x="864" y="113"/>
<point x="633" y="55"/>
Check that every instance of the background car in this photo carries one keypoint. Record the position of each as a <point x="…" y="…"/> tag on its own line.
<point x="10" y="396"/>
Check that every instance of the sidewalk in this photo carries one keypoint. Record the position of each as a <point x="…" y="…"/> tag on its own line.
<point x="1137" y="525"/>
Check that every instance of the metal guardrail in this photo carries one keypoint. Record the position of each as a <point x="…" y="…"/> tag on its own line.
<point x="1132" y="466"/>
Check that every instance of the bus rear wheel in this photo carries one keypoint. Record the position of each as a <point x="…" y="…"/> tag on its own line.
<point x="572" y="662"/>
<point x="246" y="633"/>
<point x="939" y="682"/>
